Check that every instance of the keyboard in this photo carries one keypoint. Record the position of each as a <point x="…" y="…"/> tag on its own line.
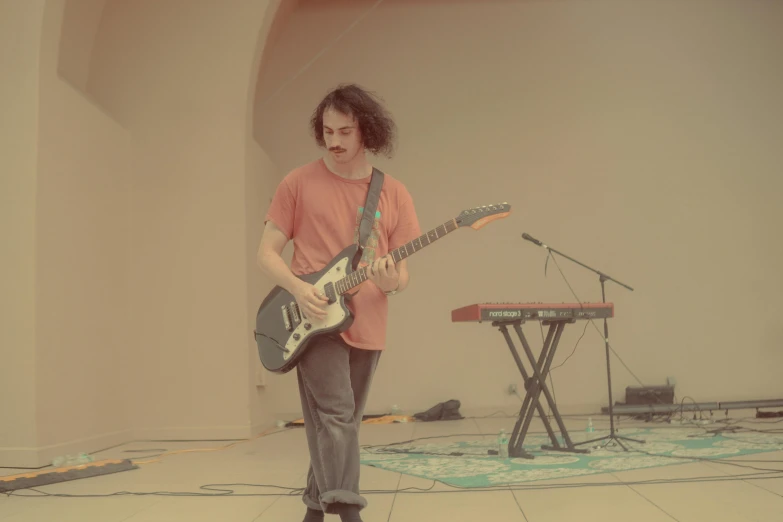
<point x="531" y="311"/>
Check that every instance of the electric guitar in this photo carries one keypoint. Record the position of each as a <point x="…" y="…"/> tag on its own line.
<point x="283" y="334"/>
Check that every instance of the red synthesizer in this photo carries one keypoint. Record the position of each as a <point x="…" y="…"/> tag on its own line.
<point x="531" y="311"/>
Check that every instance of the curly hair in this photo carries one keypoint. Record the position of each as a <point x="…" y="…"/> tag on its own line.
<point x="376" y="125"/>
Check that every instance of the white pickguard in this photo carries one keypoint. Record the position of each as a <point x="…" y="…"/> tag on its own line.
<point x="335" y="316"/>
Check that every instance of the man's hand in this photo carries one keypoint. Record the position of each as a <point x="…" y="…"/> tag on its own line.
<point x="311" y="301"/>
<point x="383" y="273"/>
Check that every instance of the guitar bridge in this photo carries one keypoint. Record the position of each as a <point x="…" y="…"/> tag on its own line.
<point x="295" y="313"/>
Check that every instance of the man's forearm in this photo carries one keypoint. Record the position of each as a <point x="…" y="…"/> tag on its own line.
<point x="404" y="279"/>
<point x="275" y="268"/>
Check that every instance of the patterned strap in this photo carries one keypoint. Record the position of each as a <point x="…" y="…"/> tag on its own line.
<point x="370" y="206"/>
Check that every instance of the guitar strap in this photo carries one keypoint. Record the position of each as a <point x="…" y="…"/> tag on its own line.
<point x="370" y="206"/>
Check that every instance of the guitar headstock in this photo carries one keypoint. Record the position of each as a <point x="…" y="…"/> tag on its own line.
<point x="477" y="217"/>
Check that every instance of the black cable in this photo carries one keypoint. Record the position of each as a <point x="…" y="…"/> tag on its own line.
<point x="518" y="505"/>
<point x="596" y="326"/>
<point x="762" y="474"/>
<point x="491" y="415"/>
<point x="735" y="439"/>
<point x="430" y="453"/>
<point x="373" y="446"/>
<point x="608" y="344"/>
<point x="572" y="352"/>
<point x="708" y="459"/>
<point x="413" y="490"/>
<point x="520" y="487"/>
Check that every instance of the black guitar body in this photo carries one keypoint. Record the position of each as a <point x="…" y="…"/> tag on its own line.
<point x="283" y="334"/>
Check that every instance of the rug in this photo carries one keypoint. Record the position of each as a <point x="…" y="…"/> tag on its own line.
<point x="475" y="468"/>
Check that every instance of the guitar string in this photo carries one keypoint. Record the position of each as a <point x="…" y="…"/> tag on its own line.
<point x="362" y="272"/>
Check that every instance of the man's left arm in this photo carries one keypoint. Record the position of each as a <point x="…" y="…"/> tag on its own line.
<point x="404" y="276"/>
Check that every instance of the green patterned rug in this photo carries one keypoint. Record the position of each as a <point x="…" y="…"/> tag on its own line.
<point x="476" y="468"/>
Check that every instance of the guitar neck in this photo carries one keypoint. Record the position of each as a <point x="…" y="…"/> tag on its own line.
<point x="398" y="254"/>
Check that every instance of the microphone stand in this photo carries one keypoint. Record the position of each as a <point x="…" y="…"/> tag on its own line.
<point x="602" y="278"/>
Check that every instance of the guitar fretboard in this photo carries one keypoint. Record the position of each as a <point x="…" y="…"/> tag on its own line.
<point x="398" y="254"/>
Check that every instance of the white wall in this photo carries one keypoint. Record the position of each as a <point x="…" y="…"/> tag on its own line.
<point x="642" y="138"/>
<point x="84" y="349"/>
<point x="19" y="54"/>
<point x="262" y="179"/>
<point x="187" y="112"/>
<point x="128" y="273"/>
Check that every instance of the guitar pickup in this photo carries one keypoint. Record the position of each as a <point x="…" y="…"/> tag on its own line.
<point x="331" y="296"/>
<point x="286" y="318"/>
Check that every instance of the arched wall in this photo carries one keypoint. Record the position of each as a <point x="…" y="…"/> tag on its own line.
<point x="134" y="194"/>
<point x="139" y="185"/>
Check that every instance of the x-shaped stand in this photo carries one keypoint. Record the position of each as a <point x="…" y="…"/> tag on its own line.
<point x="534" y="386"/>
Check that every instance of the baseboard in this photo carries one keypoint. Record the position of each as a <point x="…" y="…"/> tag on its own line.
<point x="260" y="427"/>
<point x="42" y="456"/>
<point x="194" y="433"/>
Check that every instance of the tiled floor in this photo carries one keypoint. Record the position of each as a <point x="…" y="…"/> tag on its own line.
<point x="281" y="459"/>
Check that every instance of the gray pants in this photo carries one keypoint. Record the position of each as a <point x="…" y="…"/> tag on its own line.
<point x="334" y="381"/>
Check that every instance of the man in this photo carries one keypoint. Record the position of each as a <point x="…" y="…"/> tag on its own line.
<point x="319" y="206"/>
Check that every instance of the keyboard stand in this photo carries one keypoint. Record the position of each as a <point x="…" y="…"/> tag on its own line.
<point x="534" y="386"/>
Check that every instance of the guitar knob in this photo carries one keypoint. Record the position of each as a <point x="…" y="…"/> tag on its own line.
<point x="307" y="326"/>
<point x="296" y="337"/>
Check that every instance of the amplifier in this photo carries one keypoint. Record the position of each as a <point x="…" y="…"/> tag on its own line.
<point x="649" y="395"/>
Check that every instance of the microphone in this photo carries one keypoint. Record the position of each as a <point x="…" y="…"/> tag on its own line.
<point x="532" y="239"/>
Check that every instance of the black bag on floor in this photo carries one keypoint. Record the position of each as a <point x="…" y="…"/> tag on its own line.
<point x="448" y="410"/>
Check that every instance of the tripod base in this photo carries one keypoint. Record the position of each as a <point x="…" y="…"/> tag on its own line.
<point x="612" y="437"/>
<point x="566" y="450"/>
<point x="519" y="453"/>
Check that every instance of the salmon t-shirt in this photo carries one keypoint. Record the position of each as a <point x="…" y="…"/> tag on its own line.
<point x="321" y="211"/>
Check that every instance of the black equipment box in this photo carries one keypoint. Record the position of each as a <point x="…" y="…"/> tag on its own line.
<point x="649" y="395"/>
